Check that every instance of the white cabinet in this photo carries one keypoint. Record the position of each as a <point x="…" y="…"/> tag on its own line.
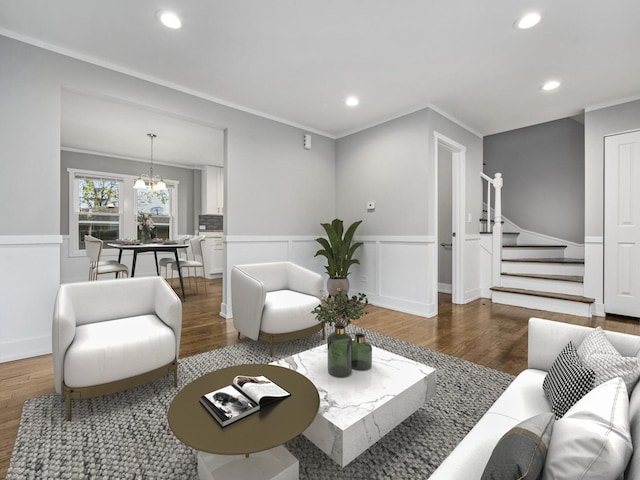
<point x="218" y="256"/>
<point x="212" y="190"/>
<point x="214" y="255"/>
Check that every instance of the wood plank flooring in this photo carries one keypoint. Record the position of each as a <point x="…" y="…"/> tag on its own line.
<point x="482" y="332"/>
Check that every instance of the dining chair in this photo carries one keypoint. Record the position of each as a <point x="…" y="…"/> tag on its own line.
<point x="166" y="262"/>
<point x="101" y="267"/>
<point x="197" y="261"/>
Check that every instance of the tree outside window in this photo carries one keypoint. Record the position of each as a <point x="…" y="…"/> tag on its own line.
<point x="99" y="209"/>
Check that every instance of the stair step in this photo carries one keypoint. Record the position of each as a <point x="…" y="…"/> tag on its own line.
<point x="503" y="233"/>
<point x="576" y="261"/>
<point x="561" y="278"/>
<point x="533" y="245"/>
<point x="537" y="293"/>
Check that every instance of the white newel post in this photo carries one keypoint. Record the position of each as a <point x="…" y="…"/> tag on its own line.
<point x="496" y="256"/>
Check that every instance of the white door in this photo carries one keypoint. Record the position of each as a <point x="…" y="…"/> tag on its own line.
<point x="622" y="224"/>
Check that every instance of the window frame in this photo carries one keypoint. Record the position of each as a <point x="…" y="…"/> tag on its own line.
<point x="128" y="207"/>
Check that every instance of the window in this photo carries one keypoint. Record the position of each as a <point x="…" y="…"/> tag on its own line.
<point x="154" y="214"/>
<point x="106" y="206"/>
<point x="97" y="208"/>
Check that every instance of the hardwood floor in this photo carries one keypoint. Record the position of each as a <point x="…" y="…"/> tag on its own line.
<point x="482" y="332"/>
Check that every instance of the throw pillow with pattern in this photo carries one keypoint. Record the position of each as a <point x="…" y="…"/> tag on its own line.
<point x="598" y="354"/>
<point x="568" y="380"/>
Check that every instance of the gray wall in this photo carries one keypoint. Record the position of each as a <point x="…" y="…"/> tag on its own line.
<point x="387" y="164"/>
<point x="393" y="164"/>
<point x="598" y="124"/>
<point x="273" y="186"/>
<point x="188" y="189"/>
<point x="544" y="177"/>
<point x="444" y="216"/>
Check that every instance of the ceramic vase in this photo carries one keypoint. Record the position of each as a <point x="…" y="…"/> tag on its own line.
<point x="333" y="284"/>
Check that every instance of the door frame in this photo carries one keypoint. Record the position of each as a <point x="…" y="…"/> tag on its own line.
<point x="458" y="170"/>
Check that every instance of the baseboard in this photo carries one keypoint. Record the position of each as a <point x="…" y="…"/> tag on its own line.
<point x="30" y="347"/>
<point x="444" y="288"/>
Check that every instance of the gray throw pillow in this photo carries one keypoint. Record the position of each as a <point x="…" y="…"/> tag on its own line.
<point x="568" y="380"/>
<point x="597" y="353"/>
<point x="521" y="452"/>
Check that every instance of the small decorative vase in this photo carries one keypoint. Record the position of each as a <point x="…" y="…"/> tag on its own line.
<point x="339" y="353"/>
<point x="361" y="353"/>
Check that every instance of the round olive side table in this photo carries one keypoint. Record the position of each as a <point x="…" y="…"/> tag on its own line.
<point x="250" y="448"/>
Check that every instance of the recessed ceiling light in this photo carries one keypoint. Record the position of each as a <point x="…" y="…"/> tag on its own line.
<point x="528" y="21"/>
<point x="550" y="85"/>
<point x="169" y="19"/>
<point x="352" y="101"/>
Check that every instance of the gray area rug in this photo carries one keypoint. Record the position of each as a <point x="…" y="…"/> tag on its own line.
<point x="126" y="435"/>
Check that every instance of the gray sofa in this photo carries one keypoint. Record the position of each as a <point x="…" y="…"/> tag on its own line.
<point x="525" y="398"/>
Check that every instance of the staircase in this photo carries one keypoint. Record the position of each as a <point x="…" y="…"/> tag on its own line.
<point x="541" y="277"/>
<point x="532" y="275"/>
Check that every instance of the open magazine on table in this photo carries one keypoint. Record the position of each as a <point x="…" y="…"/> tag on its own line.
<point x="243" y="397"/>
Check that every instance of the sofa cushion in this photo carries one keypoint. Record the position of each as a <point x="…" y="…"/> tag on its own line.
<point x="598" y="354"/>
<point x="113" y="350"/>
<point x="592" y="440"/>
<point x="568" y="380"/>
<point x="633" y="470"/>
<point x="524" y="397"/>
<point x="288" y="311"/>
<point x="521" y="452"/>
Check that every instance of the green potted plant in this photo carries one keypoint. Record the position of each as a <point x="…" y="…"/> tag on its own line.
<point x="340" y="310"/>
<point x="338" y="248"/>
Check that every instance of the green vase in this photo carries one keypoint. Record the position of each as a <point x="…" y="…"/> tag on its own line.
<point x="339" y="353"/>
<point x="361" y="353"/>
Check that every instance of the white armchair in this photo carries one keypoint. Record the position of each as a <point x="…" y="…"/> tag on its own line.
<point x="273" y="301"/>
<point x="113" y="335"/>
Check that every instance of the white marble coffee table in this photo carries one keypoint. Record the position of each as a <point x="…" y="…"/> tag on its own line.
<point x="358" y="410"/>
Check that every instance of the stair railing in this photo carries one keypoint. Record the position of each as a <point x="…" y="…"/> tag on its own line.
<point x="495" y="226"/>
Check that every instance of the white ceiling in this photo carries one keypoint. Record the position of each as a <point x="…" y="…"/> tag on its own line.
<point x="296" y="61"/>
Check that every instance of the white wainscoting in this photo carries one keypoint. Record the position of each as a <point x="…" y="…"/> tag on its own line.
<point x="28" y="284"/>
<point x="393" y="271"/>
<point x="472" y="267"/>
<point x="594" y="273"/>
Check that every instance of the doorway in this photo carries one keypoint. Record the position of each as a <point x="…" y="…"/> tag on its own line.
<point x="454" y="183"/>
<point x="445" y="219"/>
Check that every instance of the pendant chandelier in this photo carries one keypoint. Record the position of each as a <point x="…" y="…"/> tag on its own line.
<point x="150" y="182"/>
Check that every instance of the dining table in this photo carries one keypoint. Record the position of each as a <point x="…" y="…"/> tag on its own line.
<point x="155" y="247"/>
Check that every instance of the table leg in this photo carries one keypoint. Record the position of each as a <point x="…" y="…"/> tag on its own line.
<point x="155" y="255"/>
<point x="133" y="264"/>
<point x="179" y="272"/>
<point x="119" y="255"/>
